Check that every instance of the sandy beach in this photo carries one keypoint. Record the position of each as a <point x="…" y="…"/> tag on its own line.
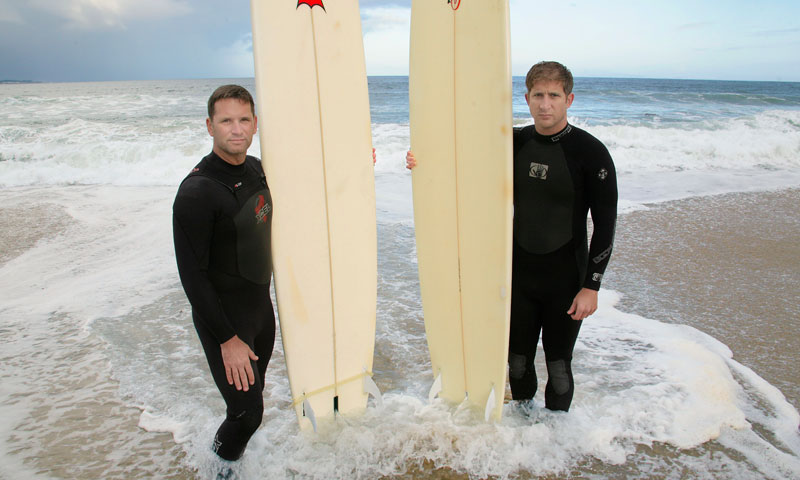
<point x="63" y="403"/>
<point x="728" y="265"/>
<point x="17" y="233"/>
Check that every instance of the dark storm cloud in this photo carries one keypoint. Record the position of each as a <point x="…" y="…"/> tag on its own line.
<point x="144" y="39"/>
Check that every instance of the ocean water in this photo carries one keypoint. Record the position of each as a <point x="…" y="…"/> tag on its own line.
<point x="101" y="374"/>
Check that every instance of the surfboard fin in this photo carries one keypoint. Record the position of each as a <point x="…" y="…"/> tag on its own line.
<point x="372" y="389"/>
<point x="435" y="388"/>
<point x="309" y="413"/>
<point x="487" y="413"/>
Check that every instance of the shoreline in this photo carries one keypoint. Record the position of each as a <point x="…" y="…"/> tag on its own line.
<point x="49" y="220"/>
<point x="728" y="265"/>
<point x="670" y="264"/>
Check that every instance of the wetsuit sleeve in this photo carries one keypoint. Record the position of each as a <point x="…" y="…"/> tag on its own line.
<point x="601" y="193"/>
<point x="192" y="229"/>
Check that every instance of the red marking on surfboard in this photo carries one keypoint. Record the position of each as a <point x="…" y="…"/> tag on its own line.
<point x="454" y="4"/>
<point x="314" y="3"/>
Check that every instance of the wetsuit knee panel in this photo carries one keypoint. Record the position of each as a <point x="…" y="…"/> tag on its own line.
<point x="559" y="375"/>
<point x="248" y="420"/>
<point x="517" y="365"/>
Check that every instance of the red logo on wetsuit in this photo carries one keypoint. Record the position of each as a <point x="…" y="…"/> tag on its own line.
<point x="313" y="3"/>
<point x="454" y="4"/>
<point x="262" y="209"/>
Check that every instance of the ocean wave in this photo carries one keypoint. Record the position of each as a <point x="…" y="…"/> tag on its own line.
<point x="769" y="140"/>
<point x="81" y="151"/>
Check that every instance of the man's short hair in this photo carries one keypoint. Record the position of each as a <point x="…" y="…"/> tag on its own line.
<point x="549" y="71"/>
<point x="230" y="91"/>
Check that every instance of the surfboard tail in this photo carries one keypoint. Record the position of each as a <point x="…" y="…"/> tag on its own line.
<point x="316" y="149"/>
<point x="461" y="133"/>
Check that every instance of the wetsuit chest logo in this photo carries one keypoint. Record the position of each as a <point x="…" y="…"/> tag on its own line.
<point x="262" y="209"/>
<point x="538" y="171"/>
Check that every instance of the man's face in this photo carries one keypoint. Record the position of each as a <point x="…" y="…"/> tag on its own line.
<point x="548" y="104"/>
<point x="232" y="127"/>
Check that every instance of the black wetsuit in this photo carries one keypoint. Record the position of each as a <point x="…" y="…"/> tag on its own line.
<point x="558" y="179"/>
<point x="222" y="218"/>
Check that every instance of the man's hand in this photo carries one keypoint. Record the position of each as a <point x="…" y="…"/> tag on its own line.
<point x="411" y="161"/>
<point x="236" y="356"/>
<point x="585" y="304"/>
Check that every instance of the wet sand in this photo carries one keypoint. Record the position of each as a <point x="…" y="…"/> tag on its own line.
<point x="22" y="227"/>
<point x="73" y="425"/>
<point x="728" y="265"/>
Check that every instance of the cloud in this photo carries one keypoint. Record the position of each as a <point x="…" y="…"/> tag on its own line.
<point x="386" y="30"/>
<point x="9" y="13"/>
<point x="105" y="14"/>
<point x="759" y="47"/>
<point x="384" y="3"/>
<point x="784" y="31"/>
<point x="382" y="19"/>
<point x="236" y="59"/>
<point x="693" y="26"/>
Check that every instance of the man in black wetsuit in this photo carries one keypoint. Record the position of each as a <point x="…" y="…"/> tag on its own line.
<point x="222" y="218"/>
<point x="560" y="174"/>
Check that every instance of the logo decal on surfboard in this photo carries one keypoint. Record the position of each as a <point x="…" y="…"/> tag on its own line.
<point x="454" y="4"/>
<point x="314" y="3"/>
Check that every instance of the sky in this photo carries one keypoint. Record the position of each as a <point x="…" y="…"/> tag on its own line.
<point x="104" y="40"/>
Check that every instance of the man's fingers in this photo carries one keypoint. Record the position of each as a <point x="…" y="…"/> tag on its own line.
<point x="576" y="311"/>
<point x="243" y="381"/>
<point x="241" y="377"/>
<point x="581" y="313"/>
<point x="237" y="382"/>
<point x="251" y="378"/>
<point x="411" y="162"/>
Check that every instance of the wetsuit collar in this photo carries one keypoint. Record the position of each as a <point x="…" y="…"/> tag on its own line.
<point x="555" y="138"/>
<point x="217" y="162"/>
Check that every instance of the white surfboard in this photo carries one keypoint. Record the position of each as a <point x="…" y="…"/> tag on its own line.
<point x="461" y="135"/>
<point x="316" y="148"/>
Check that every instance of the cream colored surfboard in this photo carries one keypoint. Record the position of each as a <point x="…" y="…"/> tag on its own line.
<point x="461" y="135"/>
<point x="316" y="148"/>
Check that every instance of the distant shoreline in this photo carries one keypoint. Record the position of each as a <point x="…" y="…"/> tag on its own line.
<point x="15" y="82"/>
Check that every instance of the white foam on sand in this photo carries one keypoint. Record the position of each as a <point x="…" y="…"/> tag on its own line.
<point x="639" y="383"/>
<point x="111" y="271"/>
<point x="111" y="259"/>
<point x="112" y="256"/>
